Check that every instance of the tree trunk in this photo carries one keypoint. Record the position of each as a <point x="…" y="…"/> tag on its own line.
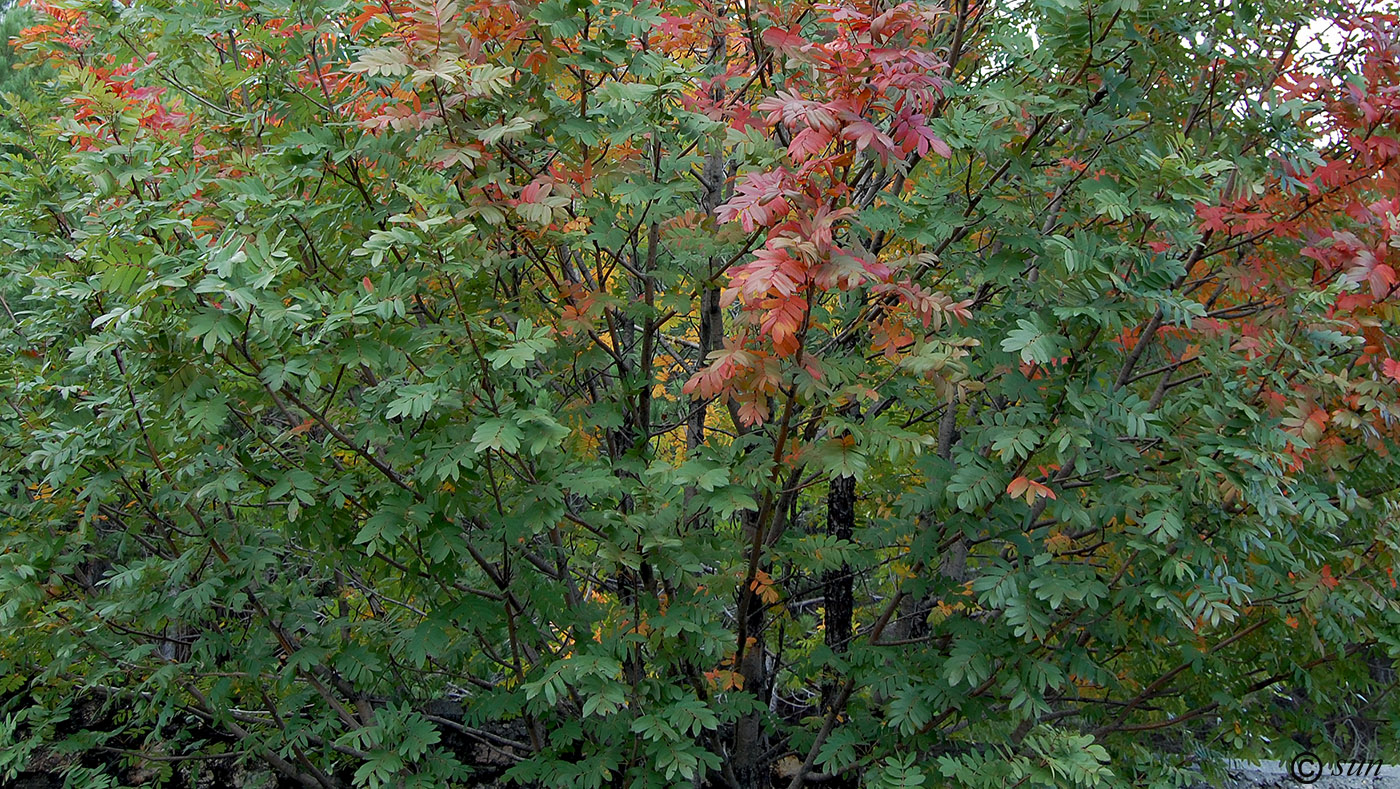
<point x="750" y="769"/>
<point x="838" y="605"/>
<point x="838" y="584"/>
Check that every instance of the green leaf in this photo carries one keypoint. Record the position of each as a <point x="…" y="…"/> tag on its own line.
<point x="1034" y="344"/>
<point x="499" y="434"/>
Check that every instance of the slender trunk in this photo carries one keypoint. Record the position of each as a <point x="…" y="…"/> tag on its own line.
<point x="838" y="584"/>
<point x="838" y="597"/>
<point x="750" y="769"/>
<point x="711" y="329"/>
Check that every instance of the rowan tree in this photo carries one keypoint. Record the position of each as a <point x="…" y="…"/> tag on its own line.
<point x="668" y="393"/>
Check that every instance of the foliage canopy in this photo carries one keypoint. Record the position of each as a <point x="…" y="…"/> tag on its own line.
<point x="599" y="393"/>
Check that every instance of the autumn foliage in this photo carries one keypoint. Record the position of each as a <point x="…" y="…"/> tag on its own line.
<point x="596" y="393"/>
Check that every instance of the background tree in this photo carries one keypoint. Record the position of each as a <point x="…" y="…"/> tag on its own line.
<point x="611" y="394"/>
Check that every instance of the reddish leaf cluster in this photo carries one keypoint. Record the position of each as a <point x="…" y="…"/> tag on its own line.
<point x="865" y="91"/>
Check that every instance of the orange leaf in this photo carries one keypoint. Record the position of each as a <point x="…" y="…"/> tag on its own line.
<point x="763" y="587"/>
<point x="1025" y="487"/>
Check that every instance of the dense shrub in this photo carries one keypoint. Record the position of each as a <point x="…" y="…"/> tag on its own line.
<point x="664" y="393"/>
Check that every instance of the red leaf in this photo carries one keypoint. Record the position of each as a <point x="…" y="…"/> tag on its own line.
<point x="535" y="191"/>
<point x="788" y="107"/>
<point x="759" y="199"/>
<point x="808" y="143"/>
<point x="753" y="411"/>
<point x="771" y="272"/>
<point x="782" y="319"/>
<point x="1391" y="369"/>
<point x="1367" y="268"/>
<point x="864" y="134"/>
<point x="725" y="364"/>
<point x="786" y="41"/>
